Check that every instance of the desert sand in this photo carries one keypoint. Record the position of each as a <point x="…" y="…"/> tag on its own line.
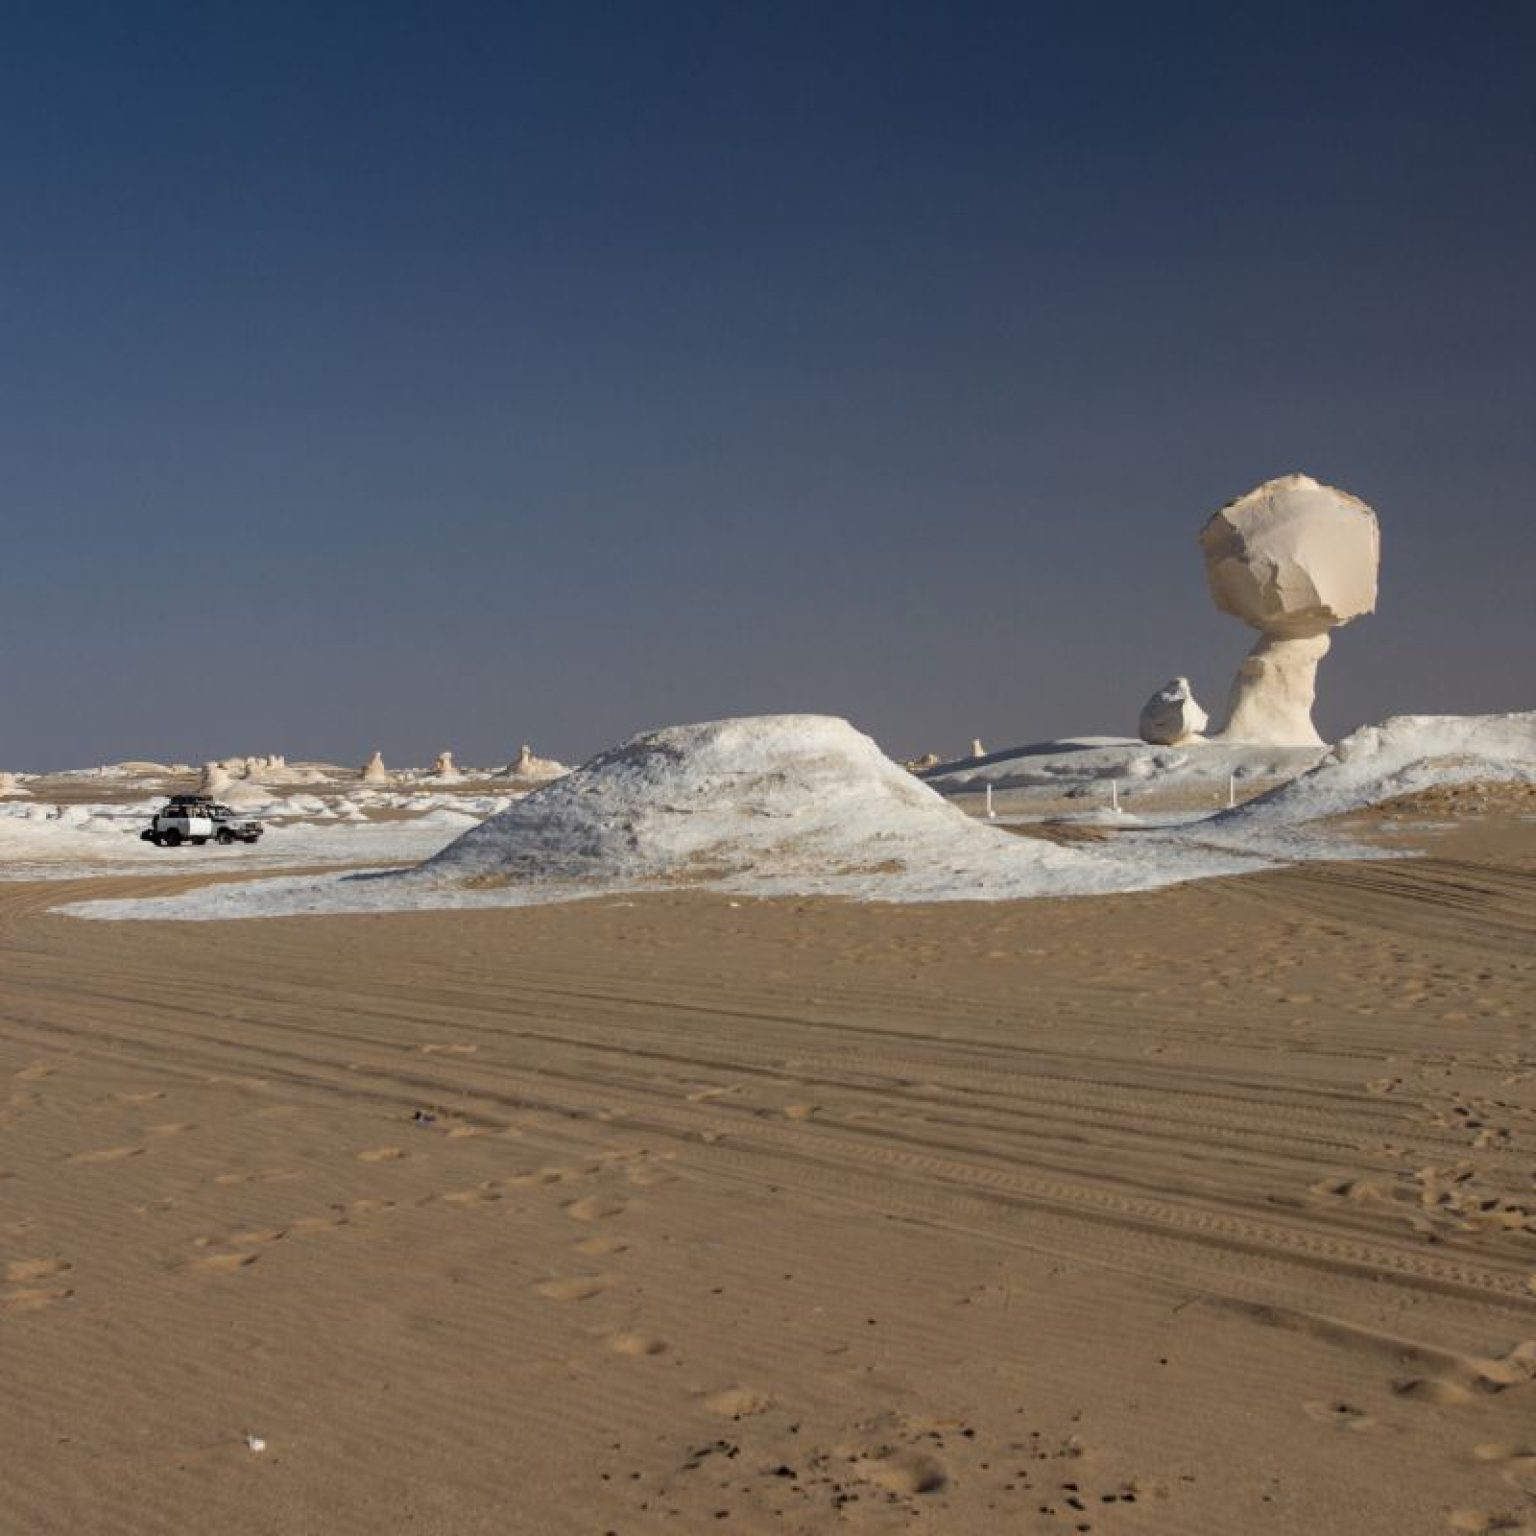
<point x="1204" y="1210"/>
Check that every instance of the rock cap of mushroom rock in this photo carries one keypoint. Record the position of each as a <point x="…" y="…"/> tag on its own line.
<point x="1171" y="715"/>
<point x="1293" y="557"/>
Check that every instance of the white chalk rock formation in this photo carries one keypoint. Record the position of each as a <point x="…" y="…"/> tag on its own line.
<point x="444" y="771"/>
<point x="527" y="767"/>
<point x="216" y="780"/>
<point x="1293" y="559"/>
<point x="803" y="799"/>
<point x="977" y="750"/>
<point x="10" y="784"/>
<point x="1171" y="715"/>
<point x="374" y="771"/>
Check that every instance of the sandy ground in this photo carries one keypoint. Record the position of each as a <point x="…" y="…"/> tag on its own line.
<point x="1209" y="1210"/>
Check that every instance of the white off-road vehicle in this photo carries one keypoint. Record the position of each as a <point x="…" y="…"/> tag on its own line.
<point x="196" y="818"/>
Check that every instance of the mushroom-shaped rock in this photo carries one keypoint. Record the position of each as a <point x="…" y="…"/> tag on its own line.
<point x="1293" y="559"/>
<point x="1171" y="715"/>
<point x="374" y="771"/>
<point x="977" y="750"/>
<point x="443" y="769"/>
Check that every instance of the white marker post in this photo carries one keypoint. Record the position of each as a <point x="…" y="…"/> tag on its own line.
<point x="991" y="814"/>
<point x="1231" y="791"/>
<point x="1114" y="797"/>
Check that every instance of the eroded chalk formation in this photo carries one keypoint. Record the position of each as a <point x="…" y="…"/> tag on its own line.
<point x="528" y="767"/>
<point x="1171" y="716"/>
<point x="1293" y="559"/>
<point x="216" y="780"/>
<point x="374" y="771"/>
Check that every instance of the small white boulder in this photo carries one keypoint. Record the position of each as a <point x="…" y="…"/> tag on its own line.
<point x="1171" y="716"/>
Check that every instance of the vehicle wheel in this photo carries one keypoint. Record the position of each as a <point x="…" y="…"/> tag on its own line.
<point x="171" y="839"/>
<point x="197" y="842"/>
<point x="224" y="837"/>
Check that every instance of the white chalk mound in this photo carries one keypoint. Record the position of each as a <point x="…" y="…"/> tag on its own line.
<point x="1171" y="715"/>
<point x="765" y="796"/>
<point x="1402" y="755"/>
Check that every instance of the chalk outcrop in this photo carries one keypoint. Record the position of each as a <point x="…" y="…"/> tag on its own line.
<point x="374" y="771"/>
<point x="444" y="771"/>
<point x="1171" y="716"/>
<point x="1292" y="559"/>
<point x="801" y="798"/>
<point x="216" y="780"/>
<point x="10" y="784"/>
<point x="531" y="769"/>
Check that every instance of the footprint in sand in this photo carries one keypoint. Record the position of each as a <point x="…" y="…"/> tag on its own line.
<point x="316" y="1223"/>
<point x="645" y="1176"/>
<point x="637" y="1346"/>
<point x="1479" y="1521"/>
<point x="19" y="1271"/>
<point x="381" y="1155"/>
<point x="258" y="1176"/>
<point x="481" y="1194"/>
<point x="170" y="1128"/>
<point x="738" y="1402"/>
<point x="218" y="1263"/>
<point x="544" y="1176"/>
<point x="370" y="1207"/>
<point x="594" y="1208"/>
<point x="32" y="1300"/>
<point x="107" y="1155"/>
<point x="577" y="1288"/>
<point x="147" y="1097"/>
<point x="600" y="1247"/>
<point x="903" y="1472"/>
<point x="1474" y="1375"/>
<point x="33" y="1074"/>
<point x="259" y="1237"/>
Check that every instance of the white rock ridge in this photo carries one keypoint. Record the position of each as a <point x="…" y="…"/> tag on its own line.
<point x="1171" y="716"/>
<point x="1293" y="559"/>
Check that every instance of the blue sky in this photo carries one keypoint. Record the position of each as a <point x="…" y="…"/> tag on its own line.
<point x="408" y="376"/>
